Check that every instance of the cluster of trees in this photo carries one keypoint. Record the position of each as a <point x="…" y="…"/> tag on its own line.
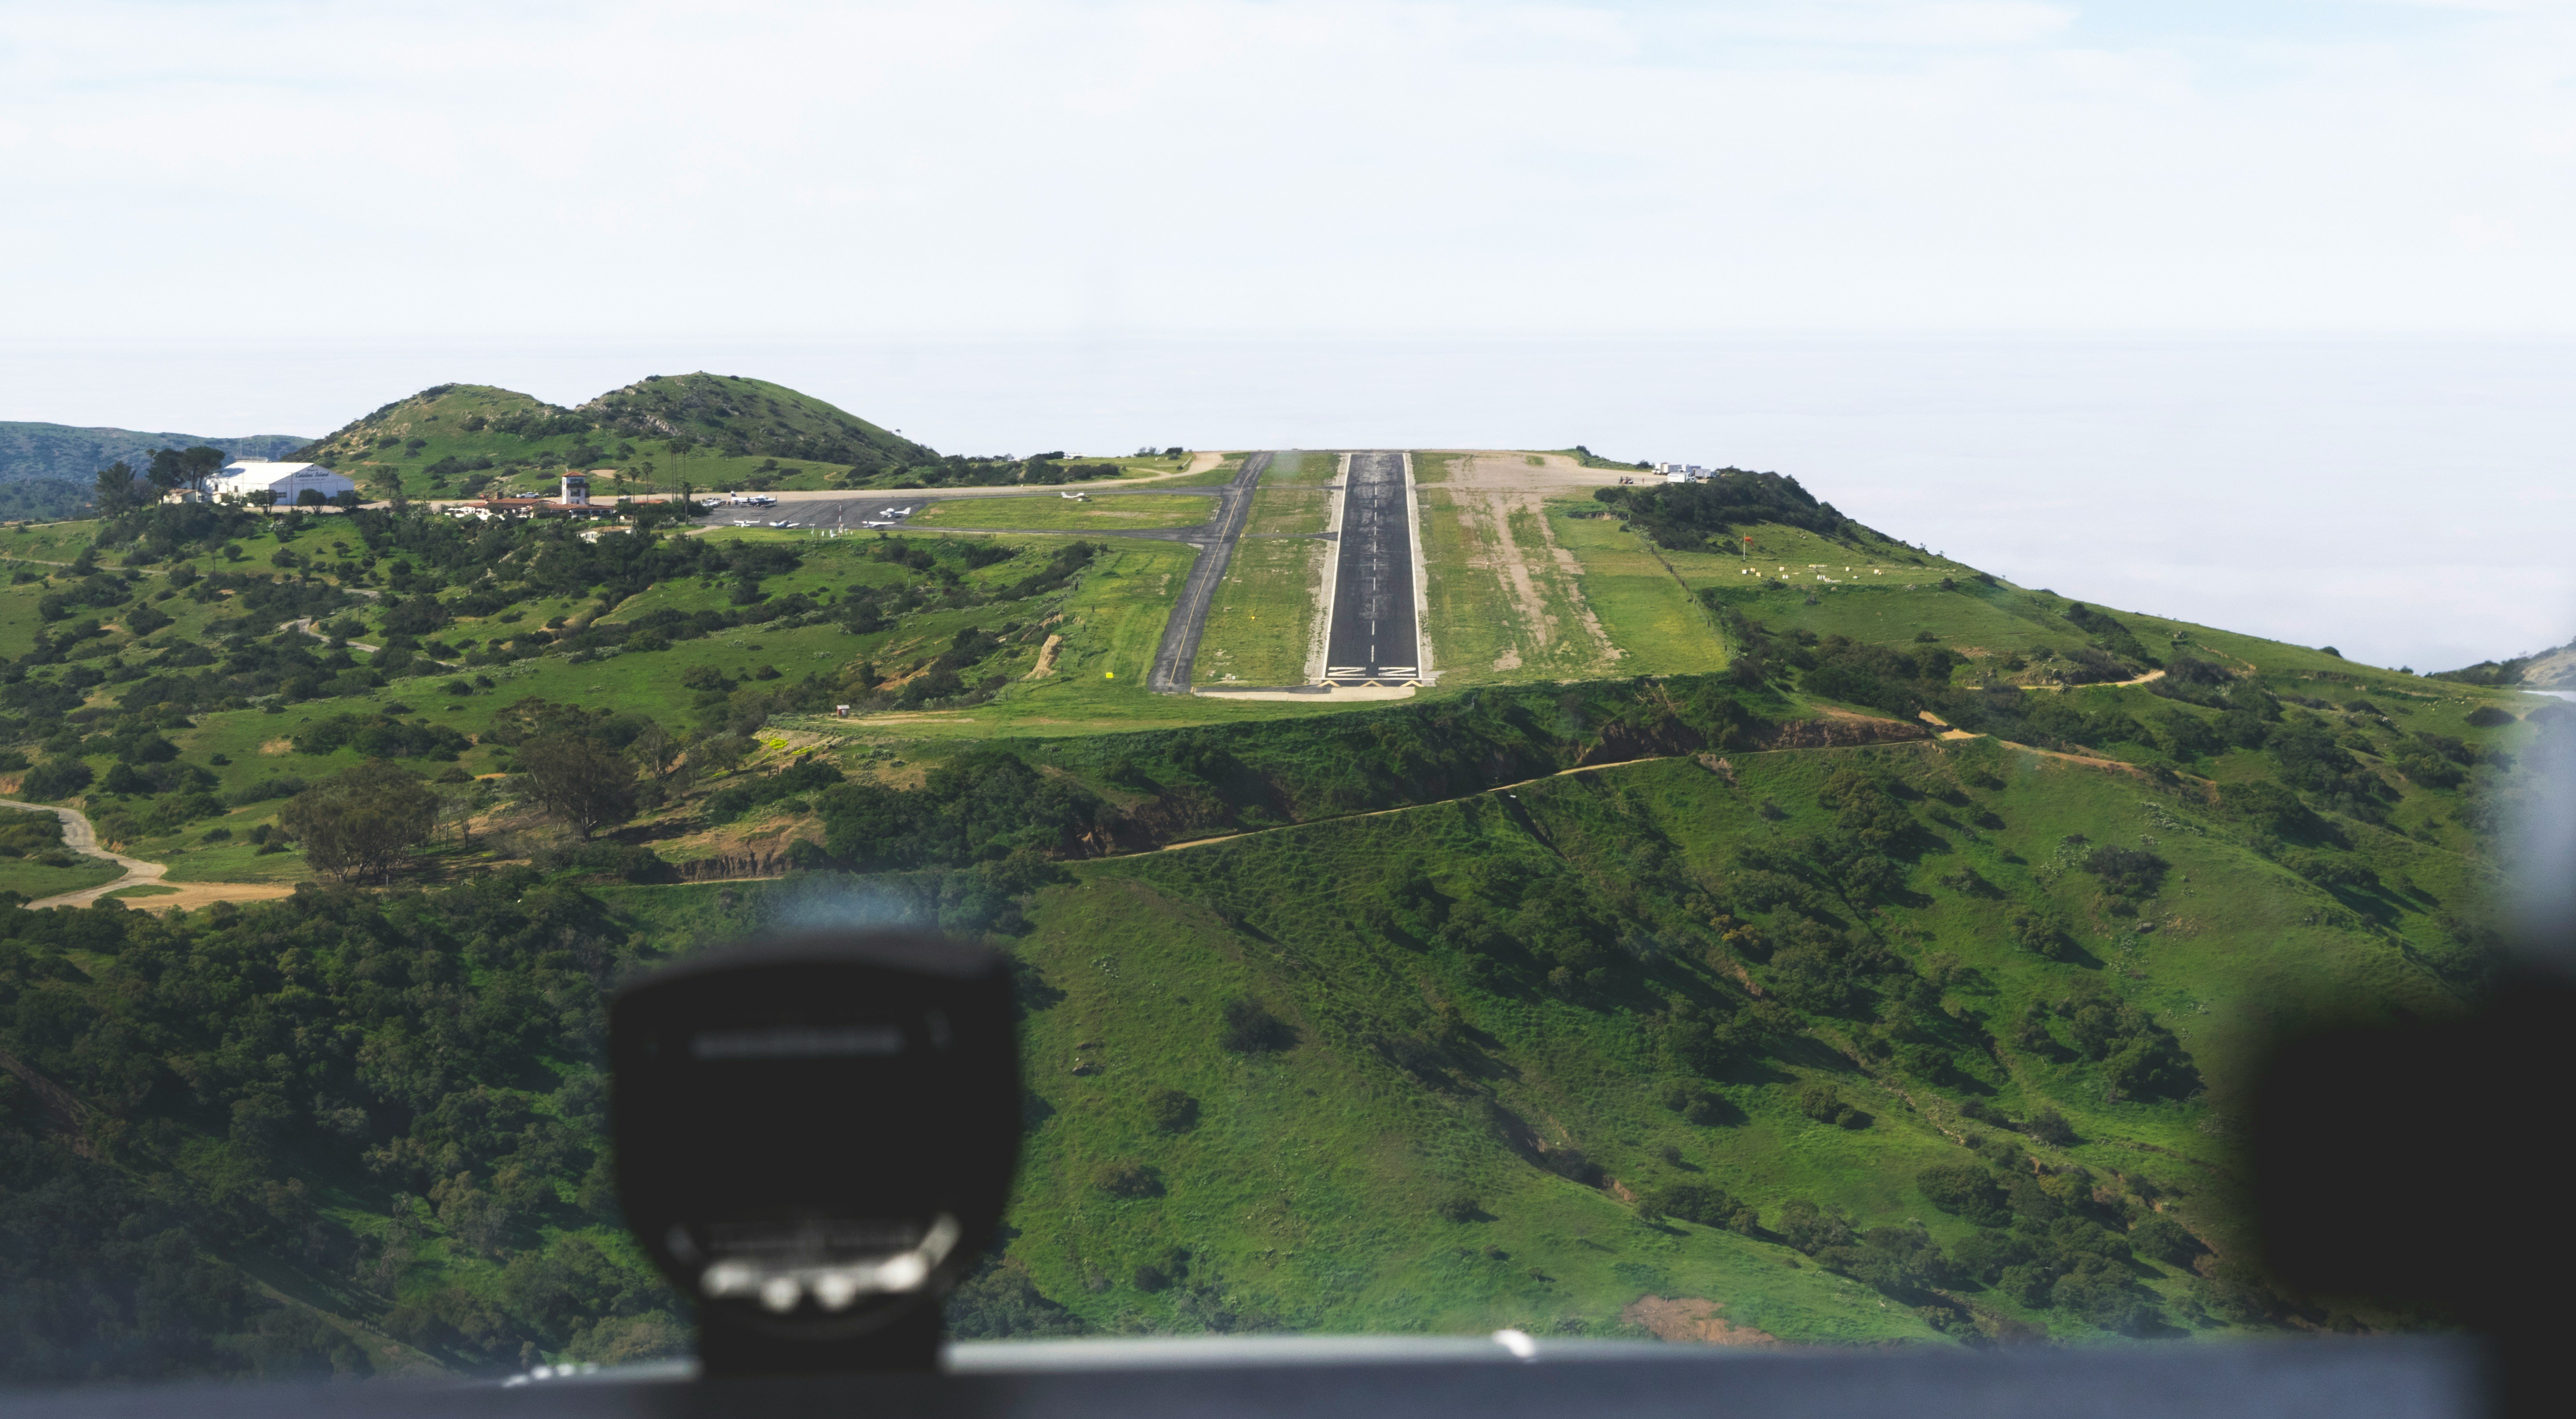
<point x="26" y="834"/>
<point x="390" y="1040"/>
<point x="119" y="489"/>
<point x="987" y="805"/>
<point x="44" y="500"/>
<point x="1810" y="883"/>
<point x="2044" y="1239"/>
<point x="2140" y="1058"/>
<point x="1687" y="516"/>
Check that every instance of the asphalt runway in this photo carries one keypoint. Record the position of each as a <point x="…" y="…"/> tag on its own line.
<point x="1374" y="639"/>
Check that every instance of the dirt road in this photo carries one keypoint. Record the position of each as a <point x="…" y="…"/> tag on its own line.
<point x="82" y="838"/>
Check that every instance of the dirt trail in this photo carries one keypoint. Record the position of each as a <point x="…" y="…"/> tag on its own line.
<point x="2208" y="789"/>
<point x="1692" y="1318"/>
<point x="2110" y="684"/>
<point x="81" y="837"/>
<point x="305" y="624"/>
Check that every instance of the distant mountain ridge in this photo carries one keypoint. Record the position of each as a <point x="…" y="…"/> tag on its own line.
<point x="2552" y="669"/>
<point x="64" y="452"/>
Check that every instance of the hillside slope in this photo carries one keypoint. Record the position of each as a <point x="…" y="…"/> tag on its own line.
<point x="1705" y="1005"/>
<point x="64" y="453"/>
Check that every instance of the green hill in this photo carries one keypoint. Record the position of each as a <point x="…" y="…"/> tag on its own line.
<point x="750" y="418"/>
<point x="457" y="440"/>
<point x="1623" y="1004"/>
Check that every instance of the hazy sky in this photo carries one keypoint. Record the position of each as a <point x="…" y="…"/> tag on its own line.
<point x="1161" y="220"/>
<point x="532" y="169"/>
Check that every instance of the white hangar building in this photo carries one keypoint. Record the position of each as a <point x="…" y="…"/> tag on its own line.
<point x="245" y="477"/>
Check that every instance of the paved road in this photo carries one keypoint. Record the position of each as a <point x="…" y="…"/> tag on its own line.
<point x="1215" y="541"/>
<point x="1373" y="639"/>
<point x="80" y="837"/>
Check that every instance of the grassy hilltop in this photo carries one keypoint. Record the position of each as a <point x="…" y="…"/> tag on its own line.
<point x="454" y="440"/>
<point x="1825" y="942"/>
<point x="663" y="431"/>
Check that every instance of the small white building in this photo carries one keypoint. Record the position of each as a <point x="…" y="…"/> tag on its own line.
<point x="247" y="477"/>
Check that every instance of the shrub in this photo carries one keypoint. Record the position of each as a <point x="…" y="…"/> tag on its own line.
<point x="2050" y="1127"/>
<point x="2039" y="932"/>
<point x="1000" y="1302"/>
<point x="1703" y="1203"/>
<point x="1810" y="1228"/>
<point x="2160" y="1238"/>
<point x="1459" y="1206"/>
<point x="1171" y="1110"/>
<point x="1824" y="1103"/>
<point x="29" y="834"/>
<point x="2272" y="808"/>
<point x="56" y="778"/>
<point x="2488" y="717"/>
<point x="1250" y="1028"/>
<point x="1965" y="1190"/>
<point x="2128" y="871"/>
<point x="262" y="790"/>
<point x="1124" y="1177"/>
<point x="1700" y="1106"/>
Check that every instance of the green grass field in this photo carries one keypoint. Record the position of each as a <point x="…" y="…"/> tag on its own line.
<point x="1051" y="513"/>
<point x="1290" y="468"/>
<point x="1265" y="614"/>
<point x="52" y="542"/>
<point x="1278" y="511"/>
<point x="32" y="880"/>
<point x="1653" y="620"/>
